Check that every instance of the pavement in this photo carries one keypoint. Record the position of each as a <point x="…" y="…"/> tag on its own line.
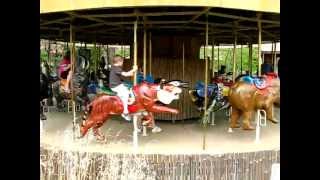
<point x="181" y="137"/>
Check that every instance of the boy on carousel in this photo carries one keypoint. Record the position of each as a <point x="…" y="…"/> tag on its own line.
<point x="117" y="85"/>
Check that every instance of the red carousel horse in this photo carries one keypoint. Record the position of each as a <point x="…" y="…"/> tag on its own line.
<point x="146" y="102"/>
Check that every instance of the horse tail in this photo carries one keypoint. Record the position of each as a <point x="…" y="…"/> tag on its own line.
<point x="86" y="112"/>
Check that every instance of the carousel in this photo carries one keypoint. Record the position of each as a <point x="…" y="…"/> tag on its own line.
<point x="197" y="110"/>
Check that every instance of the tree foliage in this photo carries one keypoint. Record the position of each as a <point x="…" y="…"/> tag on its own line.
<point x="226" y="58"/>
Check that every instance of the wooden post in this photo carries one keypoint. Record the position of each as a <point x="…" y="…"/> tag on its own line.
<point x="150" y="54"/>
<point x="250" y="58"/>
<point x="259" y="44"/>
<point x="234" y="55"/>
<point x="135" y="55"/>
<point x="73" y="59"/>
<point x="205" y="87"/>
<point x="144" y="54"/>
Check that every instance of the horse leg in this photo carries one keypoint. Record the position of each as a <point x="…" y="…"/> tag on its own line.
<point x="42" y="116"/>
<point x="270" y="114"/>
<point x="235" y="115"/>
<point x="247" y="115"/>
<point x="86" y="125"/>
<point x="148" y="120"/>
<point x="97" y="133"/>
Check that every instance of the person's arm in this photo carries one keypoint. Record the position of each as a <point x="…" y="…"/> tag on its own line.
<point x="68" y="66"/>
<point x="130" y="73"/>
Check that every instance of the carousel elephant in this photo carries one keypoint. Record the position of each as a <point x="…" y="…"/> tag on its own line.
<point x="249" y="94"/>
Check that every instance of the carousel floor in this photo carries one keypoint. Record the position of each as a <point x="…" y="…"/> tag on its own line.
<point x="180" y="138"/>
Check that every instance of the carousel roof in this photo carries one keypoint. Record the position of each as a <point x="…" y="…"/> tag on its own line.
<point x="112" y="21"/>
<point x="47" y="6"/>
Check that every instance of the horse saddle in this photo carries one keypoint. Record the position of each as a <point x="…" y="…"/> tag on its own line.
<point x="200" y="88"/>
<point x="108" y="91"/>
<point x="259" y="82"/>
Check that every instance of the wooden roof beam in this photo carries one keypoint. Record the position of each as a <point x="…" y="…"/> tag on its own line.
<point x="92" y="19"/>
<point x="144" y="14"/>
<point x="55" y="21"/>
<point x="198" y="15"/>
<point x="129" y="23"/>
<point x="255" y="19"/>
<point x="224" y="25"/>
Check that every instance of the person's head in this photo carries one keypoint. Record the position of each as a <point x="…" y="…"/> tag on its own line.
<point x="222" y="69"/>
<point x="67" y="55"/>
<point x="117" y="61"/>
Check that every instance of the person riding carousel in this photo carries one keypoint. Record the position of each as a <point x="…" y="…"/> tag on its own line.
<point x="65" y="71"/>
<point x="117" y="85"/>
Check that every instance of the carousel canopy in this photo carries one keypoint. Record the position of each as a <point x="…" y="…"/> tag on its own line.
<point x="112" y="21"/>
<point x="47" y="6"/>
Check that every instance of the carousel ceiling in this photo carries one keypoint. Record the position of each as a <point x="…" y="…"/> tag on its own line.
<point x="116" y="24"/>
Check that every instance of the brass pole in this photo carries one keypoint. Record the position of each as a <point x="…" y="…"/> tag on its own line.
<point x="73" y="59"/>
<point x="250" y="58"/>
<point x="259" y="44"/>
<point x="150" y="54"/>
<point x="205" y="87"/>
<point x="135" y="53"/>
<point x="144" y="53"/>
<point x="183" y="63"/>
<point x="234" y="55"/>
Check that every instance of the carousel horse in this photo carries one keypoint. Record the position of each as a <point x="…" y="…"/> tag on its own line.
<point x="248" y="94"/>
<point x="141" y="104"/>
<point x="47" y="78"/>
<point x="80" y="80"/>
<point x="216" y="94"/>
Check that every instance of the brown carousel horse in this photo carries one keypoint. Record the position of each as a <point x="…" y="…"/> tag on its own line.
<point x="146" y="98"/>
<point x="248" y="94"/>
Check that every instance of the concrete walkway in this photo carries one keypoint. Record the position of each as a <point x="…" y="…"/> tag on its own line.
<point x="182" y="138"/>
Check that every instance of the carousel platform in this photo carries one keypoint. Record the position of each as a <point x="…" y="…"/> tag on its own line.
<point x="175" y="153"/>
